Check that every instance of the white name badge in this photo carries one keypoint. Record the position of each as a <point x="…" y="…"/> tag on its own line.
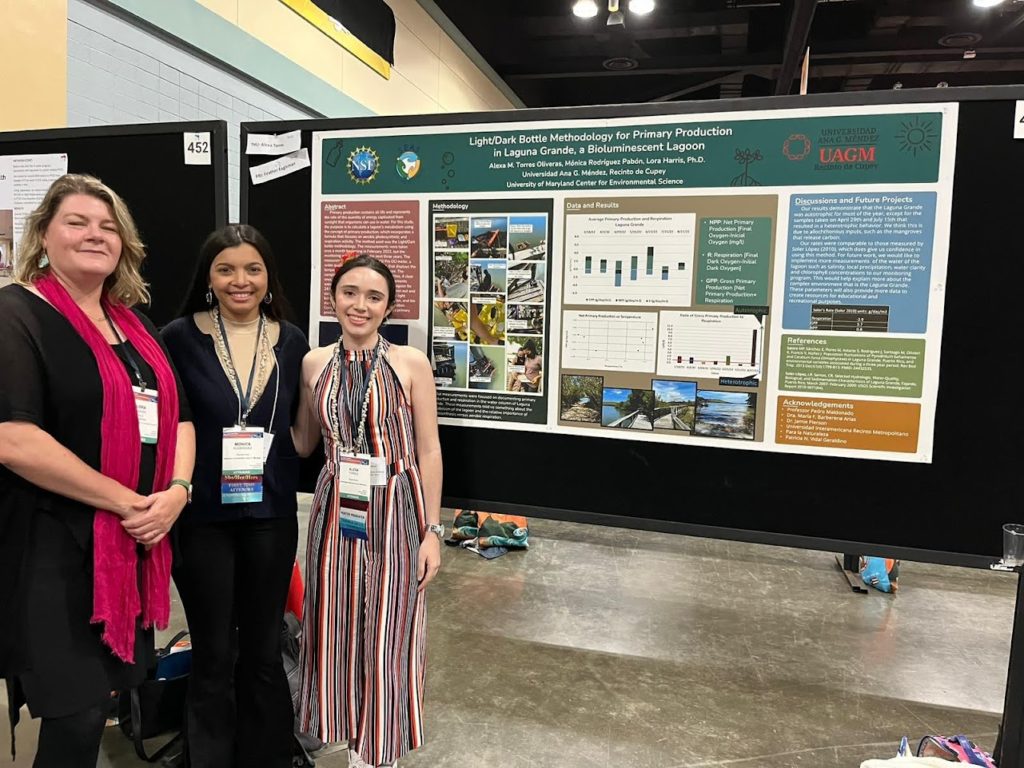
<point x="353" y="475"/>
<point x="148" y="411"/>
<point x="242" y="455"/>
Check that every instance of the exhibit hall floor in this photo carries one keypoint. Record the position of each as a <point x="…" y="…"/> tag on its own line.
<point x="611" y="647"/>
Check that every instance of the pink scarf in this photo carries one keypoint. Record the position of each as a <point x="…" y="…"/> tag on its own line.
<point x="116" y="600"/>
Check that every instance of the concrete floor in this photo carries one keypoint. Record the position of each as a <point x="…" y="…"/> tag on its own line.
<point x="611" y="647"/>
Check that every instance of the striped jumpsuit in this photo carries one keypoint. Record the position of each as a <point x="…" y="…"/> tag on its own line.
<point x="364" y="621"/>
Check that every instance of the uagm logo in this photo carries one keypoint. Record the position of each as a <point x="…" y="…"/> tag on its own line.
<point x="796" y="147"/>
<point x="846" y="154"/>
<point x="363" y="165"/>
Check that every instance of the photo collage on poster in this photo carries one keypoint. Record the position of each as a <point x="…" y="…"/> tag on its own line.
<point x="490" y="273"/>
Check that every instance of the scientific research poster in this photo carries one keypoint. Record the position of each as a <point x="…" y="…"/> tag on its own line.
<point x="745" y="280"/>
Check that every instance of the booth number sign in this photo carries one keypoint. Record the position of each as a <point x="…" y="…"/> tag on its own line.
<point x="197" y="149"/>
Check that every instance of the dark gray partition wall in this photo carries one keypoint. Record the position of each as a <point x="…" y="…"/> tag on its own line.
<point x="175" y="205"/>
<point x="949" y="511"/>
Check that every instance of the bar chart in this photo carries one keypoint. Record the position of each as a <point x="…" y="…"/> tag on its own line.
<point x="629" y="259"/>
<point x="710" y="344"/>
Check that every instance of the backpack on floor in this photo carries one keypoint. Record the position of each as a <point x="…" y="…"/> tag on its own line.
<point x="958" y="749"/>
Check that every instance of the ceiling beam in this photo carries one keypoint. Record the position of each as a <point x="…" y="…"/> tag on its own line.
<point x="702" y="85"/>
<point x="710" y="64"/>
<point x="796" y="43"/>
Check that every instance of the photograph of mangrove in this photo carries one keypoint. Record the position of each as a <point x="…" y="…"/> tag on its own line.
<point x="489" y="237"/>
<point x="486" y="368"/>
<point x="580" y="398"/>
<point x="627" y="408"/>
<point x="487" y="276"/>
<point x="674" y="404"/>
<point x="450" y="368"/>
<point x="451" y="320"/>
<point x="451" y="275"/>
<point x="451" y="232"/>
<point x="525" y="318"/>
<point x="526" y="281"/>
<point x="487" y="321"/>
<point x="527" y="238"/>
<point x="525" y="364"/>
<point x="726" y="414"/>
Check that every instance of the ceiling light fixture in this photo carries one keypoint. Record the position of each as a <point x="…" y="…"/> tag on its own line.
<point x="615" y="17"/>
<point x="987" y="3"/>
<point x="585" y="9"/>
<point x="640" y="7"/>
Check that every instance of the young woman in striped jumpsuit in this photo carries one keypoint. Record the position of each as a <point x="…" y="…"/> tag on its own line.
<point x="374" y="529"/>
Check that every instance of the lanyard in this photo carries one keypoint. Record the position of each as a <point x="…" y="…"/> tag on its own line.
<point x="364" y="396"/>
<point x="244" y="406"/>
<point x="127" y="352"/>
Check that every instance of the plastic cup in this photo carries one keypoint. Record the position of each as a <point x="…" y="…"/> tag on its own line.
<point x="1013" y="544"/>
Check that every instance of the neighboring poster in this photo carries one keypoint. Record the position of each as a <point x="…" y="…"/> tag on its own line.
<point x="24" y="180"/>
<point x="767" y="281"/>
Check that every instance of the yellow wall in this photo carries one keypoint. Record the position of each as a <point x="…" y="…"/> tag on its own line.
<point x="33" y="64"/>
<point x="431" y="74"/>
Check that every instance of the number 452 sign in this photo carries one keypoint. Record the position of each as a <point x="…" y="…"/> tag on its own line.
<point x="197" y="149"/>
<point x="1018" y="121"/>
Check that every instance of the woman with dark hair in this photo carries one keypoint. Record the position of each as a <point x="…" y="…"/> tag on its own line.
<point x="96" y="455"/>
<point x="240" y="362"/>
<point x="374" y="528"/>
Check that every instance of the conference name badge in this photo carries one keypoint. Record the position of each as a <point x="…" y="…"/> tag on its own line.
<point x="148" y="411"/>
<point x="242" y="456"/>
<point x="354" y="483"/>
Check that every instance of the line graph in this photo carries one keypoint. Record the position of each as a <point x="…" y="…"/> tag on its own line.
<point x="609" y="341"/>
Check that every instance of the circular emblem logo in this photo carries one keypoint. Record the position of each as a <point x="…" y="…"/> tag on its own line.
<point x="407" y="164"/>
<point x="363" y="165"/>
<point x="797" y="147"/>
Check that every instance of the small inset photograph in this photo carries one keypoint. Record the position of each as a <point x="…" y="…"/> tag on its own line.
<point x="489" y="237"/>
<point x="486" y="368"/>
<point x="487" y="320"/>
<point x="451" y="275"/>
<point x="451" y="320"/>
<point x="627" y="408"/>
<point x="525" y="318"/>
<point x="450" y="369"/>
<point x="527" y="238"/>
<point x="6" y="244"/>
<point x="674" y="404"/>
<point x="726" y="414"/>
<point x="525" y="356"/>
<point x="451" y="232"/>
<point x="487" y="276"/>
<point x="580" y="398"/>
<point x="526" y="281"/>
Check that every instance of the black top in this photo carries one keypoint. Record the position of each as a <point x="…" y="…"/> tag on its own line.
<point x="215" y="407"/>
<point x="49" y="377"/>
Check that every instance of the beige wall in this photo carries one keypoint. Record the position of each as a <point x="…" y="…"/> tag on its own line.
<point x="431" y="74"/>
<point x="33" y="64"/>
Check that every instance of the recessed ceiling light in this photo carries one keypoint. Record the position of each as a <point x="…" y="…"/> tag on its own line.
<point x="987" y="3"/>
<point x="641" y="7"/>
<point x="585" y="9"/>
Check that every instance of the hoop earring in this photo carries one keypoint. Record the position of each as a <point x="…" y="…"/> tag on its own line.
<point x="44" y="260"/>
<point x="209" y="297"/>
<point x="268" y="298"/>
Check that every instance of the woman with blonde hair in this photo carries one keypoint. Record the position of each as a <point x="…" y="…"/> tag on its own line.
<point x="96" y="455"/>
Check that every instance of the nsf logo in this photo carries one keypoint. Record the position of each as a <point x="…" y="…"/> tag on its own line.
<point x="407" y="164"/>
<point x="363" y="165"/>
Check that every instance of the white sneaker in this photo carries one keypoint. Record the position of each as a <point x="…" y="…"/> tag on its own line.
<point x="355" y="761"/>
